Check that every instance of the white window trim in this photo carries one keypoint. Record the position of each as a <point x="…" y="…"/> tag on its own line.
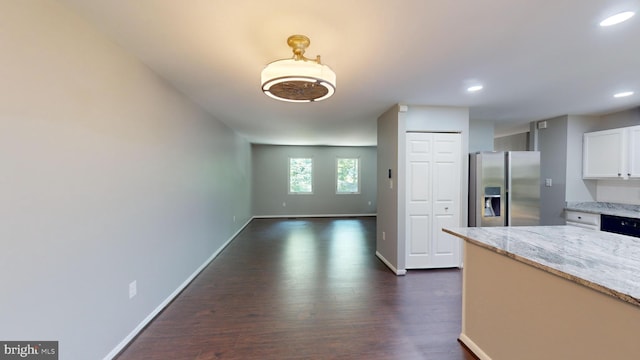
<point x="335" y="175"/>
<point x="313" y="176"/>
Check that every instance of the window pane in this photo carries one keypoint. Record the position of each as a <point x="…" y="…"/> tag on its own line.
<point x="347" y="176"/>
<point x="300" y="175"/>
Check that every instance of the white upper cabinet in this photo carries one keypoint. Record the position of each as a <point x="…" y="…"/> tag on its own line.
<point x="603" y="154"/>
<point x="634" y="152"/>
<point x="611" y="154"/>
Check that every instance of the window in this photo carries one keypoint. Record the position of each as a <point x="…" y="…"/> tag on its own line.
<point x="347" y="176"/>
<point x="300" y="176"/>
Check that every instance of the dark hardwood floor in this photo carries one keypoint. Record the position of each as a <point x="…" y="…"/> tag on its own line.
<point x="308" y="289"/>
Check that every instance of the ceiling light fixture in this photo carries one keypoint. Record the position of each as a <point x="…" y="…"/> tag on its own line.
<point x="617" y="18"/>
<point x="623" y="94"/>
<point x="298" y="79"/>
<point x="475" y="88"/>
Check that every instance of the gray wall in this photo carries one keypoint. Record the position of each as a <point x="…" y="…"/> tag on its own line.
<point x="515" y="142"/>
<point x="552" y="143"/>
<point x="577" y="188"/>
<point x="108" y="176"/>
<point x="387" y="218"/>
<point x="270" y="186"/>
<point x="481" y="136"/>
<point x="619" y="119"/>
<point x="560" y="146"/>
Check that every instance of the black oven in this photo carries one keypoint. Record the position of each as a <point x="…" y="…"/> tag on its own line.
<point x="620" y="225"/>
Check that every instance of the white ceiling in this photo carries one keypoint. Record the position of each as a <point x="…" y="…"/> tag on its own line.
<point x="536" y="58"/>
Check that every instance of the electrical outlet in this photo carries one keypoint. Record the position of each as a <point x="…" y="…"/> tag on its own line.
<point x="548" y="182"/>
<point x="384" y="236"/>
<point x="133" y="289"/>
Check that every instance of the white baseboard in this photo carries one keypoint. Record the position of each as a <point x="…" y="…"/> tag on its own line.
<point x="170" y="298"/>
<point x="473" y="347"/>
<point x="390" y="266"/>
<point x="311" y="216"/>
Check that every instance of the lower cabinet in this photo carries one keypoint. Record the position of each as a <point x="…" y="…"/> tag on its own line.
<point x="583" y="219"/>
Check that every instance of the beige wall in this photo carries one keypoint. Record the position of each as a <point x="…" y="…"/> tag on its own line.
<point x="108" y="175"/>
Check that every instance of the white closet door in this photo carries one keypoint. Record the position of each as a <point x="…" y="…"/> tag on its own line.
<point x="446" y="198"/>
<point x="432" y="199"/>
<point x="418" y="199"/>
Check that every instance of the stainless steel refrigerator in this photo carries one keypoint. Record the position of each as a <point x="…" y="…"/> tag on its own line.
<point x="504" y="188"/>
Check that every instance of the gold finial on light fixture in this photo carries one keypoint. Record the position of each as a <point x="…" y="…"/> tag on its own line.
<point x="299" y="79"/>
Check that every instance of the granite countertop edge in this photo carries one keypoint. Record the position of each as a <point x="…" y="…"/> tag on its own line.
<point x="606" y="208"/>
<point x="573" y="278"/>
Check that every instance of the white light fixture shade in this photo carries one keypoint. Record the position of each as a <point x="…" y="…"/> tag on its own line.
<point x="298" y="80"/>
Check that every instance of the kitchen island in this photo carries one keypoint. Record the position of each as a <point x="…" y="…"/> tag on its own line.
<point x="550" y="292"/>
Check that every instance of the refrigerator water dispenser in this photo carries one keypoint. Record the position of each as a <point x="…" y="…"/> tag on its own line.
<point x="492" y="201"/>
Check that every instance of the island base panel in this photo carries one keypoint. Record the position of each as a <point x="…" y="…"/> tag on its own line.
<point x="512" y="310"/>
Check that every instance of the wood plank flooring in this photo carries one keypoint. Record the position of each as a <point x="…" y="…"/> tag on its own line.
<point x="308" y="289"/>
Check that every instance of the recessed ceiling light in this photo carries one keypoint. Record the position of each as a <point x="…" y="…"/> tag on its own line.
<point x="474" y="88"/>
<point x="623" y="94"/>
<point x="617" y="18"/>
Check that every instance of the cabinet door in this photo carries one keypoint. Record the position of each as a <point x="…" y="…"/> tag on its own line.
<point x="634" y="152"/>
<point x="603" y="154"/>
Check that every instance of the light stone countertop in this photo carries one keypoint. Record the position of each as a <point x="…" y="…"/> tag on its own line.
<point x="632" y="211"/>
<point x="605" y="262"/>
